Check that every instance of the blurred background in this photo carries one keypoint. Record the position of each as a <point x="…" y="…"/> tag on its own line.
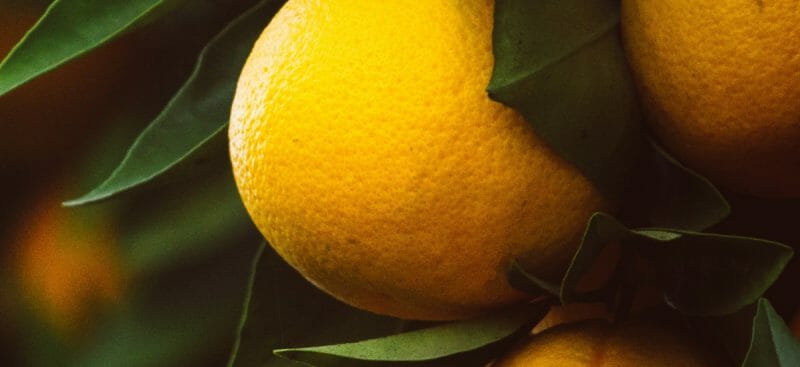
<point x="153" y="278"/>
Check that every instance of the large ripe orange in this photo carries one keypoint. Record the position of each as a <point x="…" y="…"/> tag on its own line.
<point x="721" y="83"/>
<point x="368" y="153"/>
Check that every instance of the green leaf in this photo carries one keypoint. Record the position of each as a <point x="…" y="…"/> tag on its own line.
<point x="71" y="28"/>
<point x="561" y="64"/>
<point x="193" y="126"/>
<point x="772" y="343"/>
<point x="283" y="310"/>
<point x="432" y="345"/>
<point x="700" y="273"/>
<point x="601" y="230"/>
<point x="711" y="274"/>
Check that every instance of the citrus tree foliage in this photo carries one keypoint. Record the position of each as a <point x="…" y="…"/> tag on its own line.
<point x="560" y="63"/>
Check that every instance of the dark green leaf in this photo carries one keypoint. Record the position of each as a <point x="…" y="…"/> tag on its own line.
<point x="700" y="273"/>
<point x="193" y="125"/>
<point x="772" y="343"/>
<point x="71" y="28"/>
<point x="283" y="310"/>
<point x="430" y="345"/>
<point x="711" y="274"/>
<point x="561" y="64"/>
<point x="601" y="230"/>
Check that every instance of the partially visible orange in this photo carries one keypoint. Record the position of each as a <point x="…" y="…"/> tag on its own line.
<point x="66" y="263"/>
<point x="796" y="324"/>
<point x="720" y="81"/>
<point x="43" y="118"/>
<point x="599" y="344"/>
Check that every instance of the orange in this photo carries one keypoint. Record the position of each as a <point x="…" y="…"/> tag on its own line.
<point x="367" y="152"/>
<point x="599" y="344"/>
<point x="720" y="81"/>
<point x="67" y="264"/>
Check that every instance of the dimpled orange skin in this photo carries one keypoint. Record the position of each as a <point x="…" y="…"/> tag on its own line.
<point x="598" y="344"/>
<point x="368" y="153"/>
<point x="721" y="81"/>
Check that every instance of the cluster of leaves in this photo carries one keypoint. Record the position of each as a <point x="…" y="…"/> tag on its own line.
<point x="561" y="64"/>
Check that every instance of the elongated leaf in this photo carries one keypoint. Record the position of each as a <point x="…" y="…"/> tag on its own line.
<point x="71" y="28"/>
<point x="772" y="343"/>
<point x="194" y="123"/>
<point x="431" y="345"/>
<point x="700" y="273"/>
<point x="561" y="64"/>
<point x="283" y="310"/>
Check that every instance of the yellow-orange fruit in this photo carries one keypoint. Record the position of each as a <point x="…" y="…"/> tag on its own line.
<point x="67" y="264"/>
<point x="598" y="344"/>
<point x="368" y="153"/>
<point x="720" y="81"/>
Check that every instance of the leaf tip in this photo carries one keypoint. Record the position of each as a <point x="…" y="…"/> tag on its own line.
<point x="89" y="198"/>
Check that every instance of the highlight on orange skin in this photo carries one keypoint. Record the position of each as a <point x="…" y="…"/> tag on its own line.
<point x="64" y="271"/>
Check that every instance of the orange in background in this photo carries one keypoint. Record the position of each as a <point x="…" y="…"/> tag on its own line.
<point x="67" y="264"/>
